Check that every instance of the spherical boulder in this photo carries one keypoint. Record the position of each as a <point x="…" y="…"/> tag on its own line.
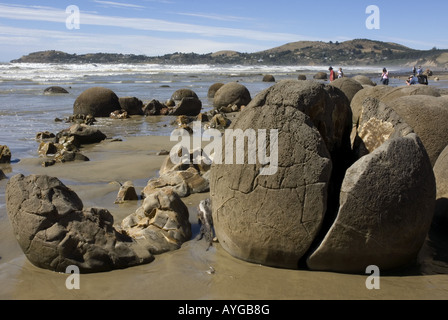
<point x="269" y="78"/>
<point x="232" y="93"/>
<point x="272" y="219"/>
<point x="97" y="102"/>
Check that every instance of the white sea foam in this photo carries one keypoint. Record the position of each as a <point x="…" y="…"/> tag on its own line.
<point x="43" y="72"/>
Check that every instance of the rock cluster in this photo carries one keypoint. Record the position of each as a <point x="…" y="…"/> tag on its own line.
<point x="65" y="146"/>
<point x="335" y="203"/>
<point x="55" y="231"/>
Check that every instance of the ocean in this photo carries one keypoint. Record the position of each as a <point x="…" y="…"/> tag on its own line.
<point x="25" y="110"/>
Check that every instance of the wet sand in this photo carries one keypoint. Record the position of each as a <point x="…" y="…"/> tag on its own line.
<point x="190" y="273"/>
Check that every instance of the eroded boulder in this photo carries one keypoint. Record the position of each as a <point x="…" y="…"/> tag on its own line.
<point x="161" y="224"/>
<point x="54" y="230"/>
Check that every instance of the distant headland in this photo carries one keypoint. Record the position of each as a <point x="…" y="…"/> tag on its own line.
<point x="353" y="52"/>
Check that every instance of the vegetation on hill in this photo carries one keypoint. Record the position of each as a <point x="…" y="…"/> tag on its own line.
<point x="353" y="52"/>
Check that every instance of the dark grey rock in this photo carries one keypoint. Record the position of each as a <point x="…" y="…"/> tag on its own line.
<point x="97" y="102"/>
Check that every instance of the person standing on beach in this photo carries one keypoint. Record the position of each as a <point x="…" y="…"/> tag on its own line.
<point x="340" y="73"/>
<point x="385" y="77"/>
<point x="332" y="74"/>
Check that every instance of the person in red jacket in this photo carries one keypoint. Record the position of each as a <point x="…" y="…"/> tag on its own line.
<point x="332" y="74"/>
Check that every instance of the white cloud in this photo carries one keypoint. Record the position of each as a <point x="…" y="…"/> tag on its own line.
<point x="143" y="24"/>
<point x="119" y="4"/>
<point x="212" y="16"/>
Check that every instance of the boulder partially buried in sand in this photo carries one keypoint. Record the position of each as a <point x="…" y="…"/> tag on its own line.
<point x="97" y="102"/>
<point x="273" y="219"/>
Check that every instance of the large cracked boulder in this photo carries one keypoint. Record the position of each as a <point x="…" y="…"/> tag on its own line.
<point x="97" y="102"/>
<point x="272" y="219"/>
<point x="386" y="208"/>
<point x="387" y="199"/>
<point x="55" y="231"/>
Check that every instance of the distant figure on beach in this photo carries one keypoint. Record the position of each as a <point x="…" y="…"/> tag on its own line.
<point x="332" y="74"/>
<point x="412" y="80"/>
<point x="340" y="73"/>
<point x="385" y="77"/>
<point x="419" y="71"/>
<point x="414" y="71"/>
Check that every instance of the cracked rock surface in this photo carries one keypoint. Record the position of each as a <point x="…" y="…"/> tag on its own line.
<point x="273" y="219"/>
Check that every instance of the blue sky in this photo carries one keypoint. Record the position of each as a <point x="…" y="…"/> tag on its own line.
<point x="157" y="27"/>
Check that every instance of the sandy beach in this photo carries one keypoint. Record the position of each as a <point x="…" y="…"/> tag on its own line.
<point x="190" y="272"/>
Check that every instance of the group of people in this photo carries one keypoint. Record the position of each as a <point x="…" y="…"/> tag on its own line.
<point x="413" y="79"/>
<point x="333" y="74"/>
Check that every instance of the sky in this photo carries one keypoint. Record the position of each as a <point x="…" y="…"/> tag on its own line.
<point x="158" y="27"/>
